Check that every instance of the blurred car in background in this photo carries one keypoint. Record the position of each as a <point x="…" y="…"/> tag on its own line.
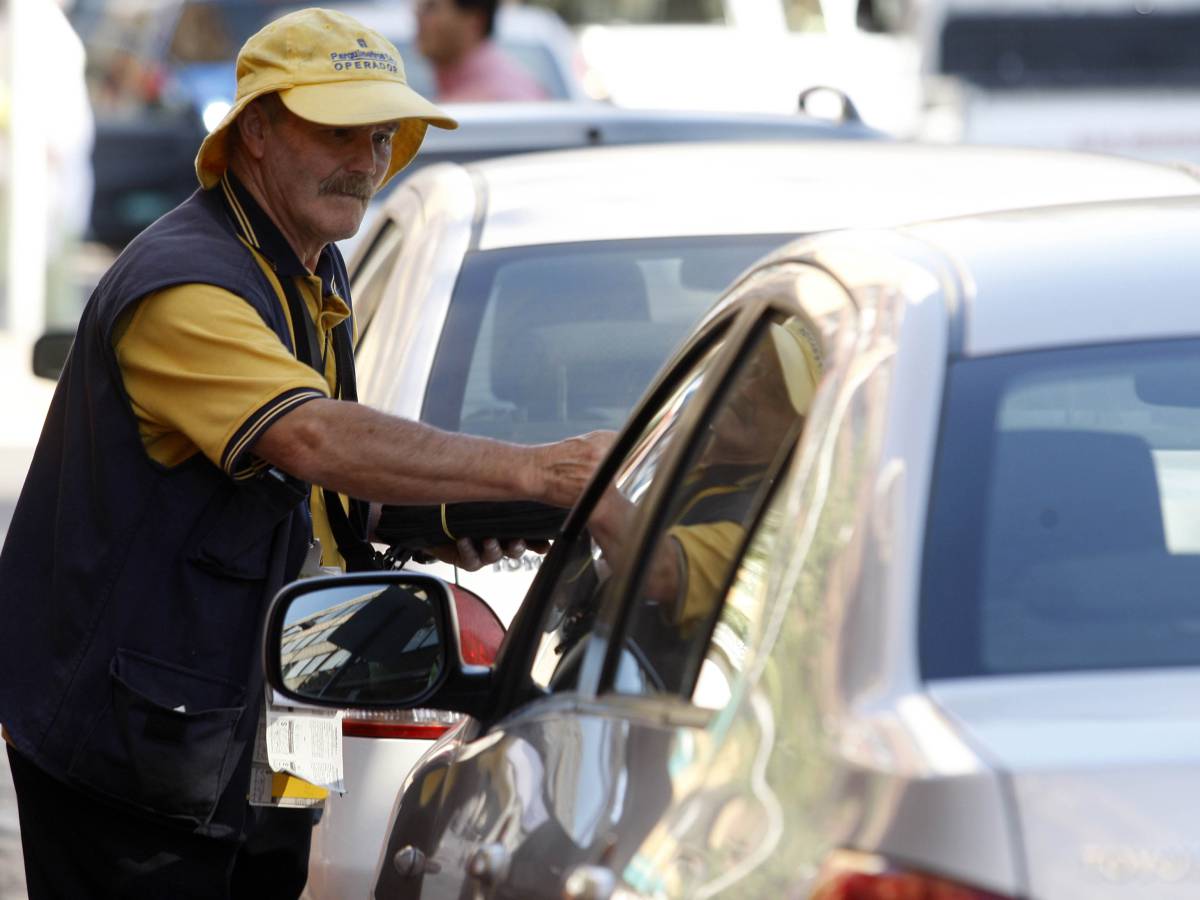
<point x="749" y="55"/>
<point x="1099" y="75"/>
<point x="161" y="75"/>
<point x="534" y="297"/>
<point x="952" y="652"/>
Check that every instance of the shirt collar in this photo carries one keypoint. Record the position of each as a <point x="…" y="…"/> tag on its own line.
<point x="260" y="232"/>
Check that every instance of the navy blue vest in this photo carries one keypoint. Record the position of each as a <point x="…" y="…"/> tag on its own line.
<point x="132" y="595"/>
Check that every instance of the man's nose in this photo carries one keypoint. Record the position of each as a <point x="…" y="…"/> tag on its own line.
<point x="364" y="156"/>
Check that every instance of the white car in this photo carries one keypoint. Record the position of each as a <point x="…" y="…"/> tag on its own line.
<point x="1097" y="75"/>
<point x="748" y="55"/>
<point x="953" y="653"/>
<point x="477" y="274"/>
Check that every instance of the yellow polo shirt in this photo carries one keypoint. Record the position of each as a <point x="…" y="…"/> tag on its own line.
<point x="206" y="375"/>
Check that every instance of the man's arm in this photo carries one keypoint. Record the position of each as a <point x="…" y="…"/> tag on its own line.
<point x="355" y="450"/>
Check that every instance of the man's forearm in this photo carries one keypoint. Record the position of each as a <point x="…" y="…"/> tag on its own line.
<point x="361" y="452"/>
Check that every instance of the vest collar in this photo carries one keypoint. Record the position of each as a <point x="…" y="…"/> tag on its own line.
<point x="257" y="229"/>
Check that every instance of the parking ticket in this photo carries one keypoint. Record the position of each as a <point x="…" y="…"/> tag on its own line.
<point x="297" y="756"/>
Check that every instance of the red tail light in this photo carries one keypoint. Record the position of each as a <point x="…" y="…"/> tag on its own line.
<point x="480" y="633"/>
<point x="409" y="724"/>
<point x="848" y="875"/>
<point x="479" y="630"/>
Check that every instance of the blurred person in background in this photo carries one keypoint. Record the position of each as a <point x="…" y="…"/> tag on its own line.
<point x="456" y="37"/>
<point x="201" y="450"/>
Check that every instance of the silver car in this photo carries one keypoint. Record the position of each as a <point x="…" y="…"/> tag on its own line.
<point x="949" y="650"/>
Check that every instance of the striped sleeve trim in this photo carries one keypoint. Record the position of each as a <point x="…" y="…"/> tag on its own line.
<point x="256" y="423"/>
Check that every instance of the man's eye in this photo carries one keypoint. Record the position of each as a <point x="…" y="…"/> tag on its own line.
<point x="383" y="138"/>
<point x="340" y="133"/>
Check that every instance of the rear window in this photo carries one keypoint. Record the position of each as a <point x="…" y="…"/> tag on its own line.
<point x="545" y="342"/>
<point x="1064" y="529"/>
<point x="1064" y="49"/>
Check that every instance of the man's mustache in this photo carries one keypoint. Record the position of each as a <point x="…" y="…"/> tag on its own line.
<point x="360" y="186"/>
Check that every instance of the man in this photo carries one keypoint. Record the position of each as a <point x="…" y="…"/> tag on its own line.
<point x="169" y="496"/>
<point x="456" y="37"/>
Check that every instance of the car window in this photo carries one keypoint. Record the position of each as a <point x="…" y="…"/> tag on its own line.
<point x="636" y="12"/>
<point x="375" y="271"/>
<point x="804" y="15"/>
<point x="1063" y="527"/>
<point x="575" y="597"/>
<point x="729" y="469"/>
<point x="549" y="341"/>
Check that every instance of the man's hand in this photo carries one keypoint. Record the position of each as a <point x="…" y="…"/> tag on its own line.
<point x="564" y="468"/>
<point x="466" y="554"/>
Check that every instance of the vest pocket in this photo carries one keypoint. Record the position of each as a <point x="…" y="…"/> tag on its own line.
<point x="163" y="743"/>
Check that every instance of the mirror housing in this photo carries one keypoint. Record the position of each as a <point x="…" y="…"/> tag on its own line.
<point x="831" y="104"/>
<point x="371" y="640"/>
<point x="50" y="353"/>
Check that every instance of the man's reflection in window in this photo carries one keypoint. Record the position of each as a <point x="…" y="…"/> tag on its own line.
<point x="752" y="429"/>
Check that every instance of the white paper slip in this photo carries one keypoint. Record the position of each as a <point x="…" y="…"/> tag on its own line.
<point x="306" y="743"/>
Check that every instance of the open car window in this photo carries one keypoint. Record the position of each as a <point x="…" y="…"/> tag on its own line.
<point x="576" y="596"/>
<point x="731" y="463"/>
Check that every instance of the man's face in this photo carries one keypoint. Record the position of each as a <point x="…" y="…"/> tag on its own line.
<point x="320" y="178"/>
<point x="444" y="32"/>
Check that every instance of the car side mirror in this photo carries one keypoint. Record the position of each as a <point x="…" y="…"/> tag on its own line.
<point x="821" y="101"/>
<point x="50" y="353"/>
<point x="371" y="640"/>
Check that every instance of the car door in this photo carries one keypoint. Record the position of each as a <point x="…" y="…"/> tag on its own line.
<point x="595" y="683"/>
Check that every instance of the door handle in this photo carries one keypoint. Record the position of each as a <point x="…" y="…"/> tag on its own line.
<point x="590" y="883"/>
<point x="489" y="864"/>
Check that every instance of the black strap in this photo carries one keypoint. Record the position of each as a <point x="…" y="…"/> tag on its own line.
<point x="350" y="531"/>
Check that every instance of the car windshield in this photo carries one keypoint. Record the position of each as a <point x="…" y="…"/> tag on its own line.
<point x="1064" y="529"/>
<point x="549" y="341"/>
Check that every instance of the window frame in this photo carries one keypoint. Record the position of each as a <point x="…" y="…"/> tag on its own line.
<point x="737" y="325"/>
<point x="655" y="523"/>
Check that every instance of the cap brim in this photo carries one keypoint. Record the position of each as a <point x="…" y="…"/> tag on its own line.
<point x="361" y="103"/>
<point x="339" y="103"/>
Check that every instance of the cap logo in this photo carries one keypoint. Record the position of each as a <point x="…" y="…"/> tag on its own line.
<point x="362" y="43"/>
<point x="364" y="59"/>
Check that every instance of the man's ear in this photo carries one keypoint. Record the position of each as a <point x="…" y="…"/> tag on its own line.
<point x="252" y="127"/>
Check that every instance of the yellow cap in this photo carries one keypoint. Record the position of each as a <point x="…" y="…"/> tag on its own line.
<point x="330" y="69"/>
<point x="800" y="361"/>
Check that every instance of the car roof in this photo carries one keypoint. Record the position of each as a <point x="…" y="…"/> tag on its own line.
<point x="1080" y="274"/>
<point x="488" y="130"/>
<point x="785" y="188"/>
